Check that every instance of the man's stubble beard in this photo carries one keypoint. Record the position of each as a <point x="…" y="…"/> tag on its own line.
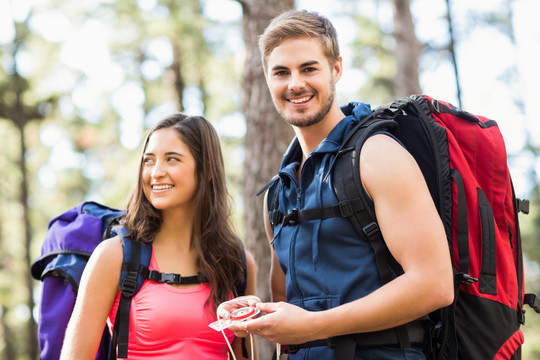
<point x="316" y="118"/>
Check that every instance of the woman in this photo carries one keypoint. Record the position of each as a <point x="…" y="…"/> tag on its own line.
<point x="180" y="205"/>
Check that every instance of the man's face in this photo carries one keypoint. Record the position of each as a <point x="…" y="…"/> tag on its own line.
<point x="301" y="81"/>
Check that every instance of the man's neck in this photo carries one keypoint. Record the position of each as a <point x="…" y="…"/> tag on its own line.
<point x="311" y="136"/>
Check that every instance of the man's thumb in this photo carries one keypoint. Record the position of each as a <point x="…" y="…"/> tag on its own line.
<point x="267" y="307"/>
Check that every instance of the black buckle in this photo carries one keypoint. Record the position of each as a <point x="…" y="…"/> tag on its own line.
<point x="436" y="330"/>
<point x="291" y="218"/>
<point x="129" y="285"/>
<point x="465" y="278"/>
<point x="345" y="208"/>
<point x="274" y="217"/>
<point x="371" y="229"/>
<point x="533" y="301"/>
<point x="521" y="317"/>
<point x="169" y="278"/>
<point x="522" y="205"/>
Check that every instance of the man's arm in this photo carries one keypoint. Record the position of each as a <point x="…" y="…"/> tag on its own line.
<point x="414" y="235"/>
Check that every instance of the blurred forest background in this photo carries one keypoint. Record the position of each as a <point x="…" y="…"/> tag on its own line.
<point x="81" y="81"/>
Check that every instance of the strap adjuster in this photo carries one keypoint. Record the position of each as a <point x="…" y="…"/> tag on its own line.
<point x="521" y="317"/>
<point x="291" y="218"/>
<point x="129" y="285"/>
<point x="345" y="209"/>
<point x="465" y="278"/>
<point x="371" y="229"/>
<point x="275" y="217"/>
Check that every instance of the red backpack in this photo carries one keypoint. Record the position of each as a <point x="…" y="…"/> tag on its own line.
<point x="463" y="159"/>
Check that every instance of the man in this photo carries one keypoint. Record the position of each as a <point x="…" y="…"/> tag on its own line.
<point x="324" y="278"/>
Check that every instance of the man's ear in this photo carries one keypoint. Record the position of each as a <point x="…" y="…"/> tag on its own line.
<point x="338" y="69"/>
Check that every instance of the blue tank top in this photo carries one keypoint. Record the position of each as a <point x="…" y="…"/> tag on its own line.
<point x="326" y="263"/>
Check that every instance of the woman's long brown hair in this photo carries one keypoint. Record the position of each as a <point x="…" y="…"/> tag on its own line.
<point x="220" y="256"/>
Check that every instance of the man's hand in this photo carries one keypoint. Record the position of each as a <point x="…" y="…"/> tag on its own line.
<point x="282" y="323"/>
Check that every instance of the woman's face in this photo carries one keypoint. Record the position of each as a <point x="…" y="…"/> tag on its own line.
<point x="168" y="171"/>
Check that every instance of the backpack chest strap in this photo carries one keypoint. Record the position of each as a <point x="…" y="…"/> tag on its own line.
<point x="294" y="216"/>
<point x="168" y="278"/>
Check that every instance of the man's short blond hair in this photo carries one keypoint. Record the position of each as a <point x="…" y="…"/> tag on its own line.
<point x="296" y="24"/>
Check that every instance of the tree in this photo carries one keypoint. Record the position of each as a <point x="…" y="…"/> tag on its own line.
<point x="407" y="50"/>
<point x="21" y="112"/>
<point x="267" y="138"/>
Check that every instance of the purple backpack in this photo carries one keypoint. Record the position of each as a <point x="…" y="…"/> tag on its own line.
<point x="70" y="240"/>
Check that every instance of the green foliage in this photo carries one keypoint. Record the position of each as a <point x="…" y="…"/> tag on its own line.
<point x="374" y="55"/>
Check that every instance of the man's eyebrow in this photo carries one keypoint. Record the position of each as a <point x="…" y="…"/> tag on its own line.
<point x="279" y="67"/>
<point x="309" y="63"/>
<point x="303" y="65"/>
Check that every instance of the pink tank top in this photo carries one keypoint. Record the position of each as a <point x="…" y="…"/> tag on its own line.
<point x="170" y="323"/>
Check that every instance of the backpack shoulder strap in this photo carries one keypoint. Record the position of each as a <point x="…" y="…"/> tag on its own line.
<point x="240" y="286"/>
<point x="349" y="190"/>
<point x="136" y="257"/>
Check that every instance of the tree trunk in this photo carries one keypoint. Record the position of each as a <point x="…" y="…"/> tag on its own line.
<point x="267" y="138"/>
<point x="10" y="352"/>
<point x="407" y="50"/>
<point x="452" y="50"/>
<point x="32" y="328"/>
<point x="176" y="68"/>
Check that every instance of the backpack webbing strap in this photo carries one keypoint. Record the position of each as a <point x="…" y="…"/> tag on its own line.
<point x="533" y="301"/>
<point x="347" y="185"/>
<point x="128" y="289"/>
<point x="487" y="281"/>
<point x="521" y="205"/>
<point x="240" y="286"/>
<point x="170" y="278"/>
<point x="294" y="216"/>
<point x="345" y="346"/>
<point x="463" y="231"/>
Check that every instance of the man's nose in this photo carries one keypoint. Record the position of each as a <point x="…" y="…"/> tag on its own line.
<point x="297" y="82"/>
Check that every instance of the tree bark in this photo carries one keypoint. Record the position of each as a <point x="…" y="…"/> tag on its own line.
<point x="407" y="50"/>
<point x="452" y="50"/>
<point x="267" y="138"/>
<point x="176" y="68"/>
<point x="31" y="324"/>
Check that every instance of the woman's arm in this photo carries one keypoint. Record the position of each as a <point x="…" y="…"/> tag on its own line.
<point x="97" y="292"/>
